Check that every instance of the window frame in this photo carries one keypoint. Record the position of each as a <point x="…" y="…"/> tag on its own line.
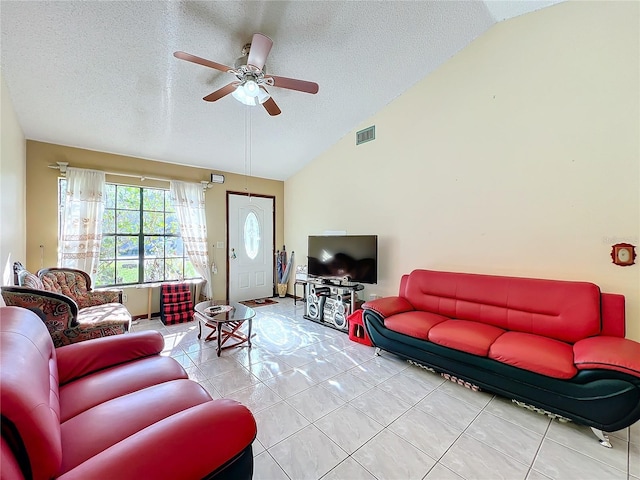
<point x="142" y="258"/>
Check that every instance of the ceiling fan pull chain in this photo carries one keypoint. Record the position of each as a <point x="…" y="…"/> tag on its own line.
<point x="250" y="143"/>
<point x="246" y="146"/>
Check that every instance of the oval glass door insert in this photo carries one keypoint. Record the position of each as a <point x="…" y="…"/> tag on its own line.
<point x="252" y="235"/>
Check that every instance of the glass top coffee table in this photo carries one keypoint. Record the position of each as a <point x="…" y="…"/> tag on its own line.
<point x="225" y="323"/>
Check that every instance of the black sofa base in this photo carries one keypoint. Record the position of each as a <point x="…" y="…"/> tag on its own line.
<point x="238" y="468"/>
<point x="602" y="399"/>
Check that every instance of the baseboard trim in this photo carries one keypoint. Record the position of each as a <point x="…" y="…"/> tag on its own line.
<point x="144" y="316"/>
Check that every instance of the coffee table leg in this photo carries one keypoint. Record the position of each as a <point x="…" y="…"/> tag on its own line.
<point x="249" y="337"/>
<point x="199" y="329"/>
<point x="220" y="330"/>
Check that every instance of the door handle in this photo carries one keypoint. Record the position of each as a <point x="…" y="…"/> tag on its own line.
<point x="233" y="255"/>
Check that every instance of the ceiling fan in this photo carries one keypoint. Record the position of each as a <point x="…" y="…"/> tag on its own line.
<point x="251" y="74"/>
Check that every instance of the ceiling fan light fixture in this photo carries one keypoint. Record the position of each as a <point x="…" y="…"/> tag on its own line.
<point x="251" y="88"/>
<point x="258" y="98"/>
<point x="242" y="97"/>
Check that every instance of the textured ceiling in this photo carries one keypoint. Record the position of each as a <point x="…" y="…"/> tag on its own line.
<point x="102" y="76"/>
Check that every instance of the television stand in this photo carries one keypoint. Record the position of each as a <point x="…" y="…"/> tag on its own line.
<point x="330" y="303"/>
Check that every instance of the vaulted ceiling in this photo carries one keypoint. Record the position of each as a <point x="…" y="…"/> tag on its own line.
<point x="102" y="75"/>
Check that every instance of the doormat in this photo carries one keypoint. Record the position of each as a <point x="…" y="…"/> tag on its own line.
<point x="259" y="302"/>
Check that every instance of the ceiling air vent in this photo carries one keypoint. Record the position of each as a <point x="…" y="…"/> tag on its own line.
<point x="366" y="135"/>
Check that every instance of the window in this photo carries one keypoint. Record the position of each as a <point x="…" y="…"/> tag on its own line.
<point x="140" y="237"/>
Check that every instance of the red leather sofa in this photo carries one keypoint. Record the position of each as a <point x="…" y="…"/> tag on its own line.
<point x="111" y="407"/>
<point x="555" y="346"/>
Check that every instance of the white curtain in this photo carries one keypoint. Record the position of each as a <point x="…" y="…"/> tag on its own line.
<point x="188" y="200"/>
<point x="81" y="228"/>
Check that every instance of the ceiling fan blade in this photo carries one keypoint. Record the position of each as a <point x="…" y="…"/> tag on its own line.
<point x="201" y="61"/>
<point x="260" y="48"/>
<point x="270" y="105"/>
<point x="218" y="94"/>
<point x="295" y="84"/>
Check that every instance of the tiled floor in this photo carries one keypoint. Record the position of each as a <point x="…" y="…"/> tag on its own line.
<point x="328" y="408"/>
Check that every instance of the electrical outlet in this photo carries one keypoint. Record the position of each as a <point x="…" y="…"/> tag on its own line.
<point x="220" y="245"/>
<point x="125" y="298"/>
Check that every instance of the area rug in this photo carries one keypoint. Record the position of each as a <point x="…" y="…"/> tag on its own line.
<point x="259" y="302"/>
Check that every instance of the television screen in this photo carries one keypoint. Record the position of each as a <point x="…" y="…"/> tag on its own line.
<point x="340" y="256"/>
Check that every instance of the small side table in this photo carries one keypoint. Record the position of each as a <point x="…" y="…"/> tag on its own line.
<point x="225" y="325"/>
<point x="149" y="287"/>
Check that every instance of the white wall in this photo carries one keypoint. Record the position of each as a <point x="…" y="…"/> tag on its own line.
<point x="12" y="188"/>
<point x="519" y="156"/>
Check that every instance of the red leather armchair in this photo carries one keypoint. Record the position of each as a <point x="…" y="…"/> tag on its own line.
<point x="110" y="408"/>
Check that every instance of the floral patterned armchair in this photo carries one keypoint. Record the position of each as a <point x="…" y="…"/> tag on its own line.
<point x="63" y="299"/>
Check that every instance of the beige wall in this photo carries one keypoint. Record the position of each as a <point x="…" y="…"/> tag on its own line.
<point x="42" y="221"/>
<point x="519" y="156"/>
<point x="12" y="188"/>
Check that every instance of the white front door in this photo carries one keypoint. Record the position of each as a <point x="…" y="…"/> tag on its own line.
<point x="250" y="246"/>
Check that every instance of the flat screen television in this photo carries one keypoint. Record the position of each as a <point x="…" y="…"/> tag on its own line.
<point x="343" y="257"/>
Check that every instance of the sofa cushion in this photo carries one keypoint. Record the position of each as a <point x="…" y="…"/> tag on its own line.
<point x="107" y="313"/>
<point x="28" y="279"/>
<point x="470" y="337"/>
<point x="542" y="355"/>
<point x="77" y="285"/>
<point x="99" y="387"/>
<point x="121" y="417"/>
<point x="564" y="310"/>
<point x="185" y="445"/>
<point x="69" y="283"/>
<point x="84" y="358"/>
<point x="608" y="353"/>
<point x="415" y="324"/>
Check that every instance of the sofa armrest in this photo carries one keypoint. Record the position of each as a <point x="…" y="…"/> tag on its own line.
<point x="387" y="306"/>
<point x="612" y="312"/>
<point x="608" y="353"/>
<point x="83" y="358"/>
<point x="190" y="444"/>
<point x="58" y="312"/>
<point x="50" y="303"/>
<point x="403" y="284"/>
